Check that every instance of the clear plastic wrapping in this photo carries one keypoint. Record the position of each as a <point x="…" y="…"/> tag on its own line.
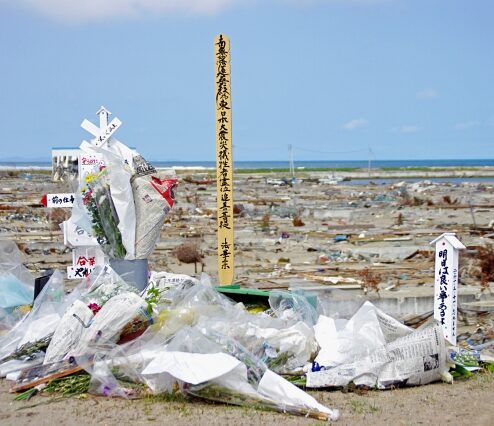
<point x="16" y="282"/>
<point x="33" y="333"/>
<point x="126" y="228"/>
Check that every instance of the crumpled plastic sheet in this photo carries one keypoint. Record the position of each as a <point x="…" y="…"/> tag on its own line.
<point x="193" y="323"/>
<point x="285" y="344"/>
<point x="11" y="261"/>
<point x="7" y="321"/>
<point x="292" y="306"/>
<point x="343" y="341"/>
<point x="215" y="368"/>
<point x="41" y="322"/>
<point x="169" y="286"/>
<point x="283" y="347"/>
<point x="143" y="360"/>
<point x="16" y="282"/>
<point x="104" y="283"/>
<point x="103" y="382"/>
<point x="14" y="292"/>
<point x="374" y="349"/>
<point x="249" y="383"/>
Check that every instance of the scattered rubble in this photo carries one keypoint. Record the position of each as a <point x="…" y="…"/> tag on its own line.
<point x="360" y="243"/>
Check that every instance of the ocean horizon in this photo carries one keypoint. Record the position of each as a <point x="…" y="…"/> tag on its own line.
<point x="302" y="164"/>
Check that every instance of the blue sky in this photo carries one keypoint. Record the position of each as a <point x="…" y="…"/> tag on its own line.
<point x="410" y="79"/>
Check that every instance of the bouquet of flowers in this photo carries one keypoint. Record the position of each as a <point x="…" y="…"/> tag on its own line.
<point x="109" y="308"/>
<point x="96" y="196"/>
<point x="126" y="201"/>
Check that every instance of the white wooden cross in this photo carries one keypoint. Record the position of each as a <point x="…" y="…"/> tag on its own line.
<point x="102" y="135"/>
<point x="75" y="236"/>
<point x="446" y="283"/>
<point x="104" y="132"/>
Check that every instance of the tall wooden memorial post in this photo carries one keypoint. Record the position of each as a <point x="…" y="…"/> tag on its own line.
<point x="224" y="160"/>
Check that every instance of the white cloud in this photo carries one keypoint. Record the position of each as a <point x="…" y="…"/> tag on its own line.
<point x="79" y="11"/>
<point x="409" y="128"/>
<point x="354" y="124"/>
<point x="351" y="2"/>
<point x="84" y="11"/>
<point x="467" y="124"/>
<point x="427" y="94"/>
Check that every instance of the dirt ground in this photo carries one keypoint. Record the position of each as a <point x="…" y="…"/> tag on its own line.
<point x="470" y="401"/>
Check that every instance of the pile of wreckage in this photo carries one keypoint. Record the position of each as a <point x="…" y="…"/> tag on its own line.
<point x="179" y="334"/>
<point x="119" y="333"/>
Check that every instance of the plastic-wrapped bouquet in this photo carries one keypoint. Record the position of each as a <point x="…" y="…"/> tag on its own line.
<point x="96" y="196"/>
<point x="124" y="202"/>
<point x="108" y="310"/>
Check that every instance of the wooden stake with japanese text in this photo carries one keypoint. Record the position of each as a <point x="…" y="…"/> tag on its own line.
<point x="446" y="283"/>
<point x="224" y="160"/>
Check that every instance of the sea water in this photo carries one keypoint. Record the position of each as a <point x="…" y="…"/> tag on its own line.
<point x="303" y="164"/>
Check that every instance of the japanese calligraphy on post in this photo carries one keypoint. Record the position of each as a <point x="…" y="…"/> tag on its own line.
<point x="84" y="260"/>
<point x="58" y="200"/>
<point x="446" y="284"/>
<point x="224" y="165"/>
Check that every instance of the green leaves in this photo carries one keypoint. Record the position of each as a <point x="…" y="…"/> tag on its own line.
<point x="152" y="299"/>
<point x="76" y="384"/>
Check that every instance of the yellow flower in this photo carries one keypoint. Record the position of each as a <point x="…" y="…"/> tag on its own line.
<point x="89" y="177"/>
<point x="23" y="309"/>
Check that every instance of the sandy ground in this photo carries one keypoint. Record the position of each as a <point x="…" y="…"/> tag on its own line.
<point x="383" y="225"/>
<point x="468" y="402"/>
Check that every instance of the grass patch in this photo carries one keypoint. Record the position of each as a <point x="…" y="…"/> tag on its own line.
<point x="165" y="398"/>
<point x="360" y="407"/>
<point x="482" y="379"/>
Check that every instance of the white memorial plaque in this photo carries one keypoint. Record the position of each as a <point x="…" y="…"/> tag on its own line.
<point x="89" y="163"/>
<point x="446" y="283"/>
<point x="59" y="200"/>
<point x="75" y="236"/>
<point x="84" y="260"/>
